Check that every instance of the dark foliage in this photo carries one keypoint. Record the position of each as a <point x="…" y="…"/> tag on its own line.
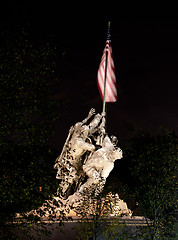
<point x="147" y="180"/>
<point x="28" y="113"/>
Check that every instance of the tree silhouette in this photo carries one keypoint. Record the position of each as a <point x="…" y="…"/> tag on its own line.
<point x="28" y="113"/>
<point x="152" y="164"/>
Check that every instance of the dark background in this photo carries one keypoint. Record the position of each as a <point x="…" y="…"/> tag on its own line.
<point x="145" y="56"/>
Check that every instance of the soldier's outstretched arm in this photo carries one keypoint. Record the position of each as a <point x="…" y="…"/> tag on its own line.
<point x="90" y="114"/>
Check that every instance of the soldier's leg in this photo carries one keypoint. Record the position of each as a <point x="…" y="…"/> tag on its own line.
<point x="68" y="179"/>
<point x="93" y="179"/>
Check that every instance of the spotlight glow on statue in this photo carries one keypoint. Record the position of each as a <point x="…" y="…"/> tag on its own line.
<point x="87" y="158"/>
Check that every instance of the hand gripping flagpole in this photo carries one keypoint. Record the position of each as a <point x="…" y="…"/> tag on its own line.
<point x="105" y="76"/>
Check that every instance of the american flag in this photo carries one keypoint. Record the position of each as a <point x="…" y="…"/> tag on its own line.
<point x="111" y="91"/>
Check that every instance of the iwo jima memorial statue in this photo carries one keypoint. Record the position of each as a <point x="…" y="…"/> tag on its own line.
<point x="88" y="155"/>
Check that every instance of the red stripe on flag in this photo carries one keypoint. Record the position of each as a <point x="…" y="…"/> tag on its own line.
<point x="111" y="90"/>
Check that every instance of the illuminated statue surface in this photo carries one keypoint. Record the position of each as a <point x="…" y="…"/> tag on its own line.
<point x="87" y="158"/>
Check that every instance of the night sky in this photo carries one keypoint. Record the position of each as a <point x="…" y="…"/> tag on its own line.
<point x="146" y="65"/>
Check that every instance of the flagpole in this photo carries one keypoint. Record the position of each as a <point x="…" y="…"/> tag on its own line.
<point x="105" y="77"/>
